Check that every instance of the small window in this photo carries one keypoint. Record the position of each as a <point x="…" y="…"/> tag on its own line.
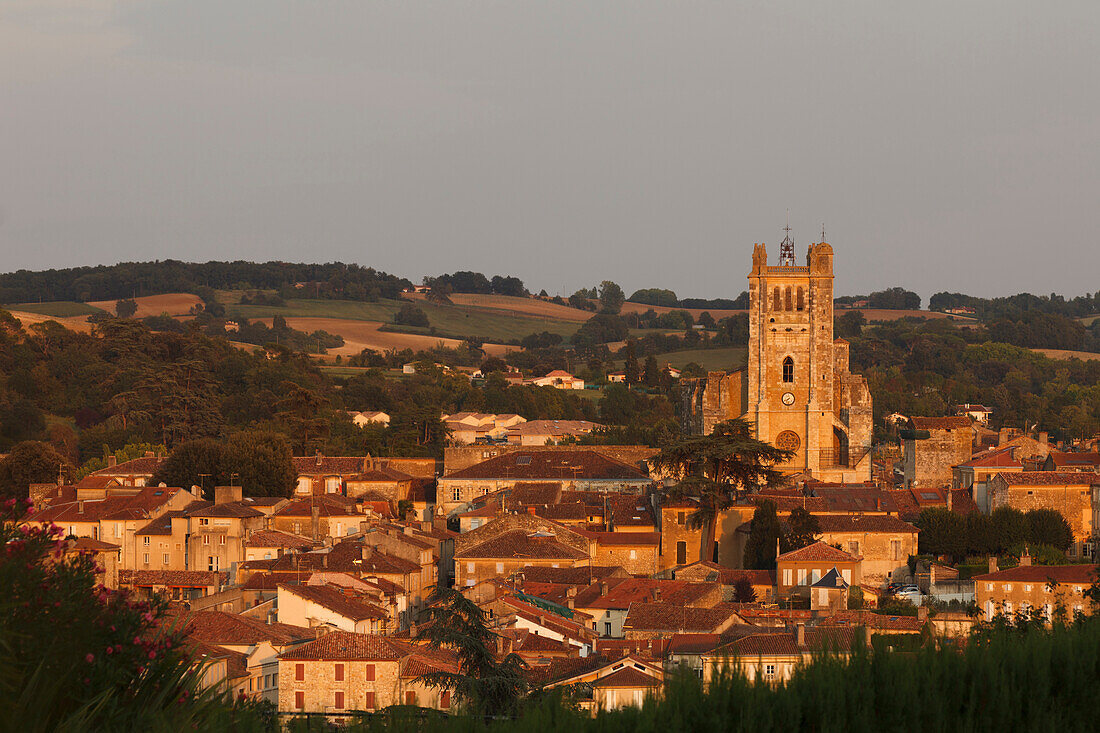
<point x="523" y="460"/>
<point x="368" y="702"/>
<point x="769" y="671"/>
<point x="788" y="369"/>
<point x="633" y="555"/>
<point x="681" y="553"/>
<point x="680" y="517"/>
<point x="368" y="673"/>
<point x="299" y="672"/>
<point x="787" y="298"/>
<point x="456" y="494"/>
<point x="800" y="300"/>
<point x="776" y="304"/>
<point x="339" y="673"/>
<point x="445" y="700"/>
<point x="338" y="700"/>
<point x="299" y="700"/>
<point x="410" y="698"/>
<point x="166" y="558"/>
<point x="145" y="540"/>
<point x="145" y="558"/>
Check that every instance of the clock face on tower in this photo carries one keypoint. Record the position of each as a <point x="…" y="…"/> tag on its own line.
<point x="788" y="398"/>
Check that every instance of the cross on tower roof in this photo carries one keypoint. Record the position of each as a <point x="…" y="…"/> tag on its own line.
<point x="786" y="248"/>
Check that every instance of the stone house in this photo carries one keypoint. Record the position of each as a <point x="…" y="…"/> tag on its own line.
<point x="1067" y="492"/>
<point x="512" y="551"/>
<point x="625" y="682"/>
<point x="269" y="544"/>
<point x="575" y="469"/>
<point x="799" y="569"/>
<point x="1058" y="461"/>
<point x="318" y="517"/>
<point x="320" y="474"/>
<point x="762" y="581"/>
<point x="175" y="585"/>
<point x="931" y="446"/>
<point x="1028" y="587"/>
<point x="974" y="475"/>
<point x="218" y="529"/>
<point x="331" y="607"/>
<point x="636" y="552"/>
<point x="547" y="432"/>
<point x="609" y="600"/>
<point x="884" y="543"/>
<point x="343" y="671"/>
<point x="773" y="656"/>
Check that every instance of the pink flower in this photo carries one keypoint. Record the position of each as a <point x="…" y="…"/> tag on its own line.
<point x="148" y="617"/>
<point x="110" y="650"/>
<point x="152" y="655"/>
<point x="89" y="658"/>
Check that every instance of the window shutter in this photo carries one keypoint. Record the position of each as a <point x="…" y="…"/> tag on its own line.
<point x="299" y="672"/>
<point x="369" y="673"/>
<point x="339" y="673"/>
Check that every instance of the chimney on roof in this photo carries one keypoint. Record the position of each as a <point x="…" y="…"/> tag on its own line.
<point x="319" y="458"/>
<point x="949" y="500"/>
<point x="992" y="563"/>
<point x="603" y="588"/>
<point x="1043" y="438"/>
<point x="80" y="507"/>
<point x="1025" y="559"/>
<point x="112" y="461"/>
<point x="315" y="521"/>
<point x="412" y="629"/>
<point x="324" y="560"/>
<point x="367" y="551"/>
<point x="800" y="634"/>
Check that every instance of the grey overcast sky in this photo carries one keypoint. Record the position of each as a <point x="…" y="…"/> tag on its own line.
<point x="944" y="145"/>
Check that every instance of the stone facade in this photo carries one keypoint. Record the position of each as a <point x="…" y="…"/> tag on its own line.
<point x="458" y="457"/>
<point x="932" y="447"/>
<point x="1069" y="493"/>
<point x="796" y="389"/>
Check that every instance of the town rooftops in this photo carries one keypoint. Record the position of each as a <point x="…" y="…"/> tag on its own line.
<point x="347" y="646"/>
<point x="1074" y="460"/>
<point x="275" y="538"/>
<point x="327" y="505"/>
<point x="135" y="506"/>
<point x="570" y="576"/>
<point x="562" y="465"/>
<point x="231" y="510"/>
<point x="1049" y="478"/>
<point x="218" y="627"/>
<point x="522" y="544"/>
<point x="875" y="621"/>
<point x="1003" y="458"/>
<point x="629" y="677"/>
<point x="321" y="465"/>
<point x="144" y="466"/>
<point x="863" y="523"/>
<point x="817" y="552"/>
<point x="785" y="643"/>
<point x="621" y="593"/>
<point x="663" y="616"/>
<point x="170" y="578"/>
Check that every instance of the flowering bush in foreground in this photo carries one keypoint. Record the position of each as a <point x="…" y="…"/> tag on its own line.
<point x="75" y="655"/>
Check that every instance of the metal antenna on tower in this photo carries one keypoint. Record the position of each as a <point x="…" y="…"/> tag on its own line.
<point x="822" y="231"/>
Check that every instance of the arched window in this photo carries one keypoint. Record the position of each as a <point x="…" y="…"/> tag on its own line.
<point x="801" y="299"/>
<point x="775" y="300"/>
<point x="788" y="369"/>
<point x="787" y="298"/>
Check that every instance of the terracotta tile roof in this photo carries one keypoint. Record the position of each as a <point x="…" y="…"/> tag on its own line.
<point x="817" y="552"/>
<point x="627" y="677"/>
<point x="575" y="511"/>
<point x="144" y="466"/>
<point x="170" y="578"/>
<point x="876" y="621"/>
<point x="236" y="662"/>
<point x="520" y="543"/>
<point x="630" y="511"/>
<point x="567" y="668"/>
<point x="569" y="627"/>
<point x="1004" y="458"/>
<point x="940" y="423"/>
<point x="329" y="505"/>
<point x="563" y="464"/>
<point x="621" y="593"/>
<point x="136" y="506"/>
<point x="1080" y="574"/>
<point x="730" y="576"/>
<point x="346" y="557"/>
<point x="92" y="481"/>
<point x="1049" y="478"/>
<point x="342" y="601"/>
<point x="382" y="475"/>
<point x="786" y="643"/>
<point x="535" y="492"/>
<point x="232" y="509"/>
<point x="569" y="576"/>
<point x="905" y="502"/>
<point x="419" y="664"/>
<point x="863" y="523"/>
<point x="87" y="544"/>
<point x="272" y="580"/>
<point x="328" y="465"/>
<point x="346" y="646"/>
<point x="675" y="617"/>
<point x="258" y="564"/>
<point x="962" y="502"/>
<point x="1065" y="460"/>
<point x="275" y="538"/>
<point x="220" y="628"/>
<point x="693" y="643"/>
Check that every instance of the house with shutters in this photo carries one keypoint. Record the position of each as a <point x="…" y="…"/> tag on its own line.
<point x="798" y="570"/>
<point x="773" y="655"/>
<point x="344" y="671"/>
<point x="611" y="685"/>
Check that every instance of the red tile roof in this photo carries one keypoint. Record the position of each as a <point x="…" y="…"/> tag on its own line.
<point x="1078" y="574"/>
<point x="342" y="601"/>
<point x="328" y="465"/>
<point x="626" y="539"/>
<point x="346" y="646"/>
<point x="621" y="593"/>
<point x="627" y="677"/>
<point x="232" y="509"/>
<point x="674" y="617"/>
<point x="1064" y="460"/>
<point x="1049" y="478"/>
<point x="876" y="621"/>
<point x="817" y="552"/>
<point x="570" y="576"/>
<point x="328" y="505"/>
<point x="693" y="643"/>
<point x="170" y="578"/>
<point x="786" y="643"/>
<point x="275" y="538"/>
<point x="217" y="627"/>
<point x="1003" y="458"/>
<point x="863" y="523"/>
<point x="521" y="544"/>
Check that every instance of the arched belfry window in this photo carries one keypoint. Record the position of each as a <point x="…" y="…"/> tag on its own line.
<point x="775" y="300"/>
<point x="788" y="369"/>
<point x="801" y="299"/>
<point x="787" y="298"/>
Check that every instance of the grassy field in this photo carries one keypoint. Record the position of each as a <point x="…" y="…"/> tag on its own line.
<point x="727" y="359"/>
<point x="454" y="321"/>
<point x="57" y="308"/>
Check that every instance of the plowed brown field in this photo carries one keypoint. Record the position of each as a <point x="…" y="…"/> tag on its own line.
<point x="174" y="304"/>
<point x="359" y="335"/>
<point x="514" y="305"/>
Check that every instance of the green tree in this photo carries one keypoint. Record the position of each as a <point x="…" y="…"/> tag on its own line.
<point x="804" y="529"/>
<point x="1010" y="528"/>
<point x="763" y="544"/>
<point x="630" y="368"/>
<point x="126" y="308"/>
<point x="715" y="469"/>
<point x="611" y="297"/>
<point x="484" y="683"/>
<point x="651" y="375"/>
<point x="30" y="462"/>
<point x="743" y="592"/>
<point x="198" y="462"/>
<point x="941" y="533"/>
<point x="262" y="461"/>
<point x="850" y="324"/>
<point x="301" y="411"/>
<point x="1049" y="527"/>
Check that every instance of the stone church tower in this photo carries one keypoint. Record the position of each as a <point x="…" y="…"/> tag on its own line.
<point x="796" y="389"/>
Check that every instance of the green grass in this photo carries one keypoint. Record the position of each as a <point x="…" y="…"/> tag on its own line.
<point x="56" y="308"/>
<point x="455" y="321"/>
<point x="727" y="359"/>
